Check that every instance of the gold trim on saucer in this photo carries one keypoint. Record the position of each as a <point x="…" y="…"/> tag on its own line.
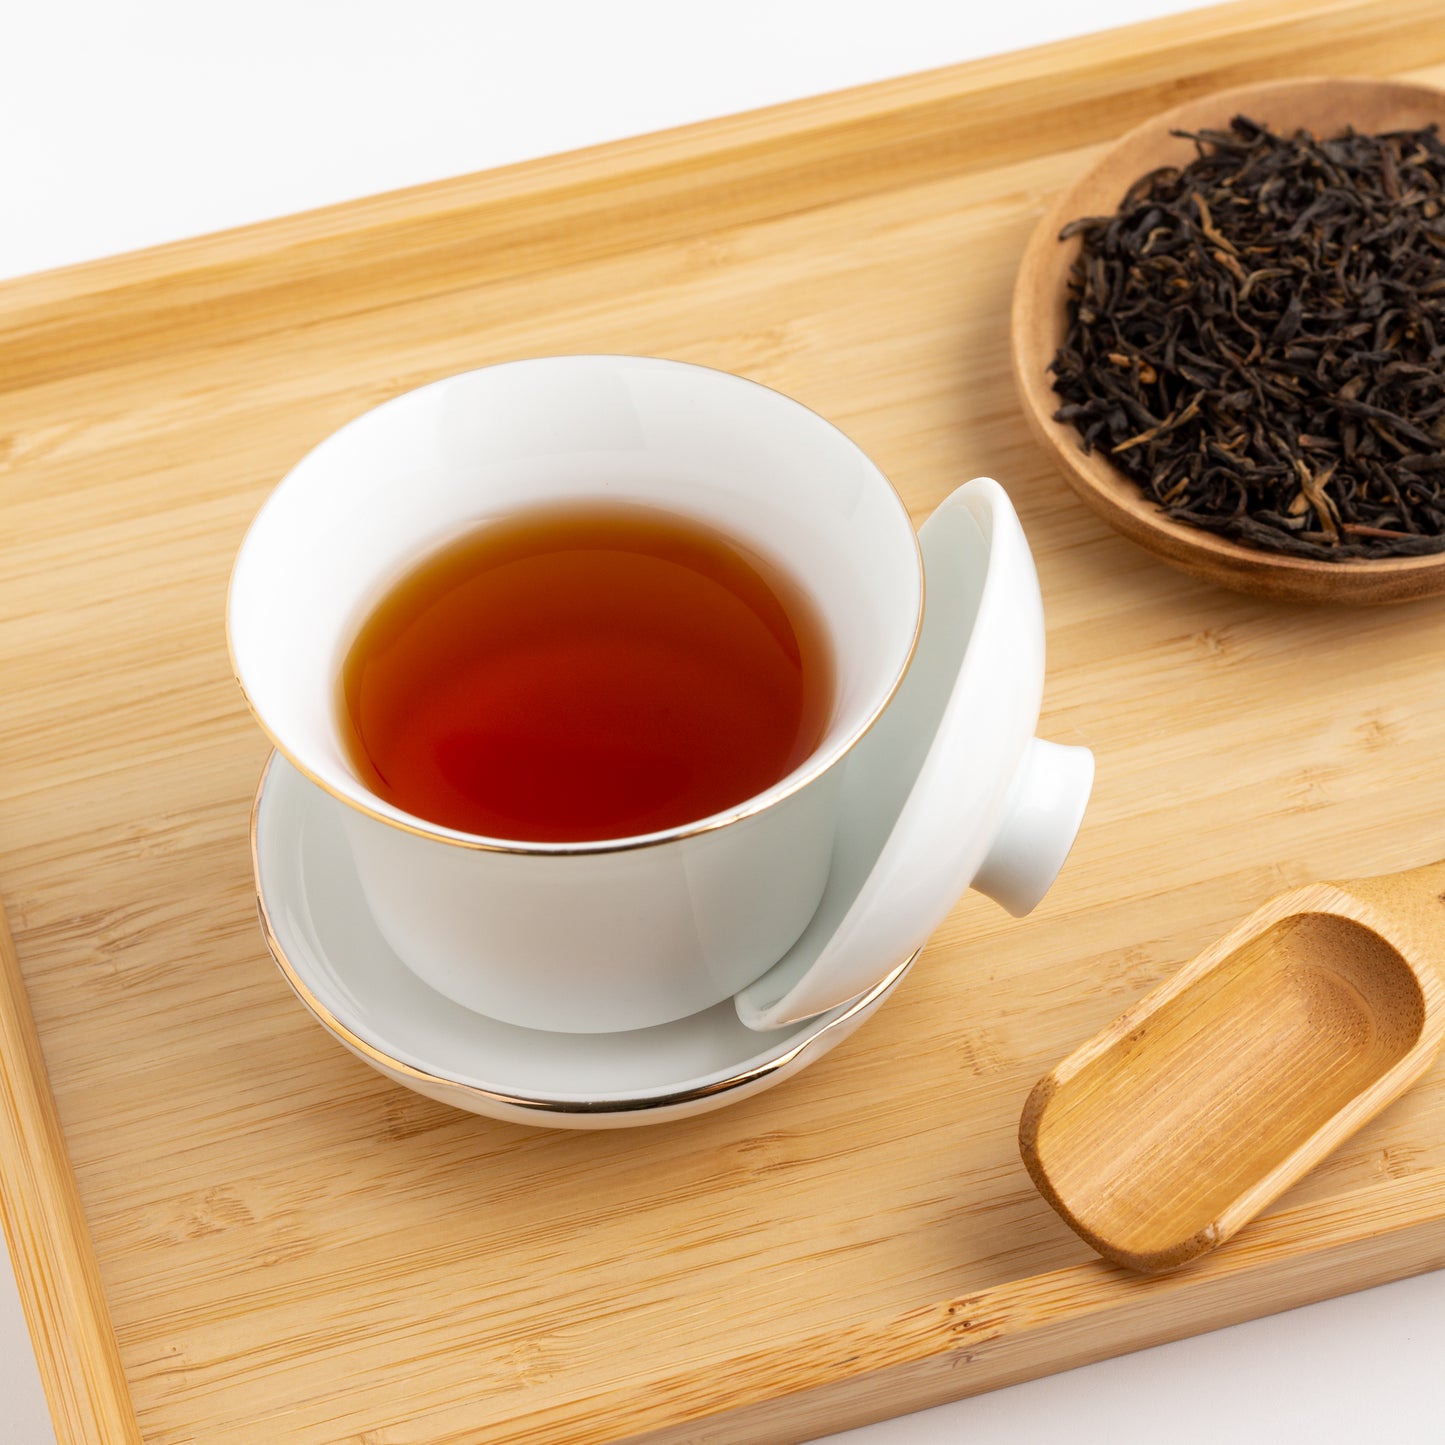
<point x="384" y="1061"/>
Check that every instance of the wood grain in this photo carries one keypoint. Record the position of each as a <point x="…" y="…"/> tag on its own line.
<point x="293" y="1249"/>
<point x="60" y="1285"/>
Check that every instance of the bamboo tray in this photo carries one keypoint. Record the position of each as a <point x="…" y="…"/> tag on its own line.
<point x="228" y="1230"/>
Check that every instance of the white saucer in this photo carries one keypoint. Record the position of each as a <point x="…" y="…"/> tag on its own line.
<point x="321" y="935"/>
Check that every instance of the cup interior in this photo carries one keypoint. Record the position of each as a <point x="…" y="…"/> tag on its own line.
<point x="400" y="481"/>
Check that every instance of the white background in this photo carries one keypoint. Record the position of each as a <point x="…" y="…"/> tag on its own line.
<point x="130" y="124"/>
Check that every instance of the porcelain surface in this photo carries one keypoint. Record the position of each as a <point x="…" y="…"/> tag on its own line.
<point x="325" y="942"/>
<point x="951" y="788"/>
<point x="617" y="934"/>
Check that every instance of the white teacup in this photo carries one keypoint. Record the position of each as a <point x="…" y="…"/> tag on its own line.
<point x="587" y="936"/>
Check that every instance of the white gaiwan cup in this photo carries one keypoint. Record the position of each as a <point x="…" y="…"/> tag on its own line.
<point x="770" y="902"/>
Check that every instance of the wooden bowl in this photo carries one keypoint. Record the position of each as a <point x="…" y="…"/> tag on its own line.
<point x="1039" y="323"/>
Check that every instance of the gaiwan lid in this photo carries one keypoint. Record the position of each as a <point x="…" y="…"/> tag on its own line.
<point x="949" y="787"/>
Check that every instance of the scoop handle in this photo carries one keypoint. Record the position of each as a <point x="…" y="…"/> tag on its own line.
<point x="1413" y="899"/>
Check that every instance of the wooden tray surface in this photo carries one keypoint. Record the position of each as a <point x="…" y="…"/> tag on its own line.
<point x="292" y="1249"/>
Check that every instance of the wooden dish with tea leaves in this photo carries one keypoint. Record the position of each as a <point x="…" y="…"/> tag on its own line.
<point x="1040" y="324"/>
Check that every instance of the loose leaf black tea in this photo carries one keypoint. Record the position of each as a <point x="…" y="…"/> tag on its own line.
<point x="1258" y="339"/>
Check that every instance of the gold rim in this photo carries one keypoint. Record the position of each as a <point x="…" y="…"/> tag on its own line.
<point x="379" y="1058"/>
<point x="757" y="804"/>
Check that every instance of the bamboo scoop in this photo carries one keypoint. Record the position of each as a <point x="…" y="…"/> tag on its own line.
<point x="1166" y="1133"/>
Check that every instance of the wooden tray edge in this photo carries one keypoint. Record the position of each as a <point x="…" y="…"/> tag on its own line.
<point x="1077" y="1315"/>
<point x="562" y="210"/>
<point x="50" y="1246"/>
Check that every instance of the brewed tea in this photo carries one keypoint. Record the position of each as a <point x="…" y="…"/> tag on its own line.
<point x="582" y="673"/>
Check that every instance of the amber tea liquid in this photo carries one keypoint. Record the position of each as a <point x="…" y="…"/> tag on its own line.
<point x="575" y="674"/>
